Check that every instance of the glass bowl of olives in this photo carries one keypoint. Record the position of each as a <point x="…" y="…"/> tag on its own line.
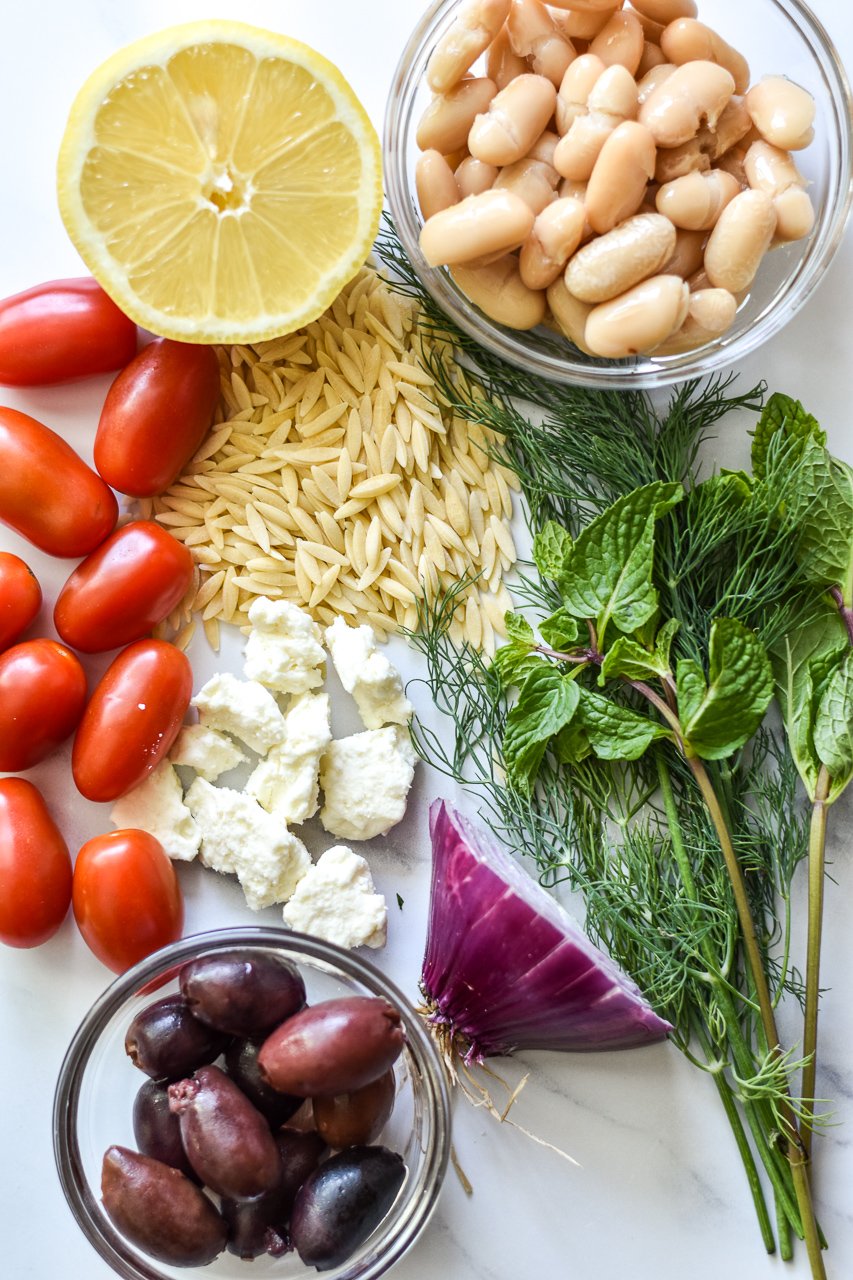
<point x="253" y="1094"/>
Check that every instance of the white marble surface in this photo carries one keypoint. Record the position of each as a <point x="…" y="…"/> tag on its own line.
<point x="659" y="1194"/>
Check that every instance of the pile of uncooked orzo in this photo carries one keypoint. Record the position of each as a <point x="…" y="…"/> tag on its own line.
<point x="336" y="476"/>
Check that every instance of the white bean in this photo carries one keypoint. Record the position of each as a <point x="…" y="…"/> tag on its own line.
<point x="615" y="262"/>
<point x="476" y="25"/>
<point x="740" y="240"/>
<point x="773" y="171"/>
<point x="515" y="119"/>
<point x="534" y="181"/>
<point x="665" y="11"/>
<point x="577" y="24"/>
<point x="493" y="222"/>
<point x="533" y="36"/>
<point x="555" y="236"/>
<point x="640" y="320"/>
<point x="624" y="167"/>
<point x="473" y="177"/>
<point x="620" y="42"/>
<point x="782" y="112"/>
<point x="575" y="88"/>
<point x="687" y="40"/>
<point x="688" y="255"/>
<point x="647" y="84"/>
<point x="695" y="94"/>
<point x="570" y="313"/>
<point x="446" y="123"/>
<point x="502" y="62"/>
<point x="613" y="99"/>
<point x="499" y="291"/>
<point x="733" y="125"/>
<point x="710" y="312"/>
<point x="696" y="201"/>
<point x="652" y="57"/>
<point x="676" y="162"/>
<point x="435" y="184"/>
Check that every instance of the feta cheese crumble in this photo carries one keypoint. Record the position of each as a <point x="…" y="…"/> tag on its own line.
<point x="206" y="751"/>
<point x="157" y="806"/>
<point x="337" y="900"/>
<point x="238" y="836"/>
<point x="284" y="650"/>
<point x="287" y="781"/>
<point x="243" y="708"/>
<point x="367" y="674"/>
<point x="366" y="780"/>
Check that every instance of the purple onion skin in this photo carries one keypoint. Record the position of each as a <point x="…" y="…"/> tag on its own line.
<point x="506" y="968"/>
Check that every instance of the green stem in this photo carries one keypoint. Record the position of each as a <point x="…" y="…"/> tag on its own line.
<point x="817" y="870"/>
<point x="783" y="1226"/>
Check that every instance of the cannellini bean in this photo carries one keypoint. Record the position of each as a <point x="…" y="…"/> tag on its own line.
<point x="651" y="30"/>
<point x="435" y="184"/>
<point x="583" y="6"/>
<point x="577" y="24"/>
<point x="615" y="262"/>
<point x="696" y="201"/>
<point x="732" y="161"/>
<point x="782" y="112"/>
<point x="733" y="125"/>
<point x="795" y="215"/>
<point x="499" y="291"/>
<point x="653" y="56"/>
<point x="533" y="180"/>
<point x="688" y="255"/>
<point x="502" y="62"/>
<point x="622" y="172"/>
<point x="695" y="94"/>
<point x="556" y="234"/>
<point x="739" y="241"/>
<point x="446" y="123"/>
<point x="773" y="171"/>
<point x="544" y="147"/>
<point x="473" y="177"/>
<point x="687" y="40"/>
<point x="489" y="223"/>
<point x="675" y="162"/>
<point x="710" y="312"/>
<point x="613" y="99"/>
<point x="570" y="313"/>
<point x="665" y="11"/>
<point x="515" y="119"/>
<point x="575" y="88"/>
<point x="647" y="84"/>
<point x="476" y="25"/>
<point x="620" y="42"/>
<point x="533" y="35"/>
<point x="640" y="320"/>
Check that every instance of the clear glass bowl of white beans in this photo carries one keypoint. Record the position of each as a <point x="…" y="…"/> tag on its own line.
<point x="652" y="194"/>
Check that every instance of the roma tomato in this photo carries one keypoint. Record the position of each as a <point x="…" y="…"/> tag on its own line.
<point x="156" y="415"/>
<point x="61" y="330"/>
<point x="124" y="588"/>
<point x="127" y="900"/>
<point x="132" y="719"/>
<point x="35" y="868"/>
<point x="47" y="493"/>
<point x="42" y="695"/>
<point x="20" y="597"/>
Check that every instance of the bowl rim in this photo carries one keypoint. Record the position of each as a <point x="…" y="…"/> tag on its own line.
<point x="148" y="976"/>
<point x="660" y="371"/>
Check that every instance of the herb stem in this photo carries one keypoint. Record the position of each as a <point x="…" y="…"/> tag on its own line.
<point x="845" y="611"/>
<point x="657" y="701"/>
<point x="786" y="1248"/>
<point x="817" y="871"/>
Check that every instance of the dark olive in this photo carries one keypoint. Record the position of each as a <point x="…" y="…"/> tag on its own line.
<point x="159" y="1210"/>
<point x="260" y="1225"/>
<point x="356" y="1118"/>
<point x="342" y="1202"/>
<point x="242" y="992"/>
<point x="333" y="1047"/>
<point x="241" y="1063"/>
<point x="157" y="1130"/>
<point x="166" y="1042"/>
<point x="228" y="1142"/>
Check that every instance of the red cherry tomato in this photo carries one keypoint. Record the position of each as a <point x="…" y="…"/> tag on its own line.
<point x="156" y="415"/>
<point x="61" y="330"/>
<point x="123" y="589"/>
<point x="47" y="493"/>
<point x="20" y="598"/>
<point x="42" y="696"/>
<point x="35" y="869"/>
<point x="127" y="899"/>
<point x="132" y="719"/>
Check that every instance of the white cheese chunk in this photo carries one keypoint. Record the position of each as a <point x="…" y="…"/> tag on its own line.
<point x="368" y="675"/>
<point x="287" y="781"/>
<point x="366" y="780"/>
<point x="157" y="806"/>
<point x="238" y="836"/>
<point x="283" y="651"/>
<point x="337" y="901"/>
<point x="206" y="751"/>
<point x="243" y="708"/>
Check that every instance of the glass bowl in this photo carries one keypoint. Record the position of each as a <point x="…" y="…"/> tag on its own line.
<point x="781" y="37"/>
<point x="97" y="1085"/>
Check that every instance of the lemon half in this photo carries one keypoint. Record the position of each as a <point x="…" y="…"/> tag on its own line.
<point x="221" y="182"/>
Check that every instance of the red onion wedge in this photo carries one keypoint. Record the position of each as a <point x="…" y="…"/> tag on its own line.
<point x="506" y="968"/>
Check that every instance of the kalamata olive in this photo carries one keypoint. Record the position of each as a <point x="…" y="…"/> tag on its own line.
<point x="241" y="1064"/>
<point x="260" y="1225"/>
<point x="159" y="1210"/>
<point x="341" y="1202"/>
<point x="157" y="1130"/>
<point x="227" y="1141"/>
<point x="355" y="1118"/>
<point x="167" y="1042"/>
<point x="242" y="992"/>
<point x="333" y="1047"/>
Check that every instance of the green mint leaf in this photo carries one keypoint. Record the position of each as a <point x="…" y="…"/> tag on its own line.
<point x="782" y="414"/>
<point x="720" y="715"/>
<point x="833" y="730"/>
<point x="551" y="548"/>
<point x="514" y="662"/>
<point x="629" y="660"/>
<point x="608" y="575"/>
<point x="560" y="631"/>
<point x="824" y="510"/>
<point x="546" y="703"/>
<point x="571" y="745"/>
<point x="518" y="628"/>
<point x="614" y="732"/>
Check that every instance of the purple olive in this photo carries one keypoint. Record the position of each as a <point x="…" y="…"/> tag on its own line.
<point x="157" y="1130"/>
<point x="342" y="1202"/>
<point x="333" y="1047"/>
<point x="358" y="1117"/>
<point x="166" y="1042"/>
<point x="242" y="992"/>
<point x="228" y="1142"/>
<point x="159" y="1210"/>
<point x="260" y="1225"/>
<point x="241" y="1064"/>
